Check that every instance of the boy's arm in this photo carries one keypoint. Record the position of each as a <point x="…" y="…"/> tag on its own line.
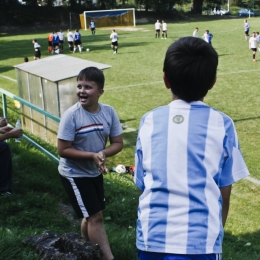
<point x="9" y="132"/>
<point x="116" y="145"/>
<point x="225" y="192"/>
<point x="66" y="150"/>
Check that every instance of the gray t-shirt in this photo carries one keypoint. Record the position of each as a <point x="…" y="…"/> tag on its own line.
<point x="88" y="132"/>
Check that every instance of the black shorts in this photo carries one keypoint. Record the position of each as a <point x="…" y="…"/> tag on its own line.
<point x="77" y="42"/>
<point x="37" y="53"/>
<point x="70" y="43"/>
<point x="60" y="41"/>
<point x="86" y="194"/>
<point x="49" y="43"/>
<point x="246" y="32"/>
<point x="93" y="29"/>
<point x="55" y="44"/>
<point x="158" y="30"/>
<point x="115" y="43"/>
<point x="253" y="49"/>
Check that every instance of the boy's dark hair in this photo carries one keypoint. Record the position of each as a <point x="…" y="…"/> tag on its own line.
<point x="25" y="59"/>
<point x="190" y="67"/>
<point x="92" y="74"/>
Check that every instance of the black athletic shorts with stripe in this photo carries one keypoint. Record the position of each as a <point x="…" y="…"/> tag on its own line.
<point x="86" y="194"/>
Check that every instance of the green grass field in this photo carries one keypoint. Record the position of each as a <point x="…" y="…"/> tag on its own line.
<point x="134" y="86"/>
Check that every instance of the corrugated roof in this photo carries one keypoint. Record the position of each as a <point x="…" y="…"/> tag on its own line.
<point x="58" y="67"/>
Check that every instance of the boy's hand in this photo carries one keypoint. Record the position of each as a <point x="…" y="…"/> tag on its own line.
<point x="3" y="122"/>
<point x="99" y="159"/>
<point x="5" y="129"/>
<point x="15" y="133"/>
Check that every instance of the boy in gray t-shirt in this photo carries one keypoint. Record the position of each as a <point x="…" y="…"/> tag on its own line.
<point x="83" y="133"/>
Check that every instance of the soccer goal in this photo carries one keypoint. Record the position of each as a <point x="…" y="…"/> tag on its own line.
<point x="108" y="18"/>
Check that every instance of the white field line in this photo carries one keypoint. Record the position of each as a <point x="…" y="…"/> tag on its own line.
<point x="253" y="180"/>
<point x="14" y="80"/>
<point x="161" y="81"/>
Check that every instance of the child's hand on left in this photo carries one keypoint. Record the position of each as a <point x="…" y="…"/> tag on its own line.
<point x="99" y="159"/>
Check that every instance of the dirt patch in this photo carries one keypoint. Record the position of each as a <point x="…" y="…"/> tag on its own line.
<point x="68" y="212"/>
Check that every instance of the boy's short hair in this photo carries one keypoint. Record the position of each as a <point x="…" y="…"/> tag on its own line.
<point x="190" y="67"/>
<point x="92" y="74"/>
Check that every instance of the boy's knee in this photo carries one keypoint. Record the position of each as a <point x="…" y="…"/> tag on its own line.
<point x="96" y="218"/>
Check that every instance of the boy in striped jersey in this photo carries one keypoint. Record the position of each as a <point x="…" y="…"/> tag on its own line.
<point x="83" y="133"/>
<point x="187" y="158"/>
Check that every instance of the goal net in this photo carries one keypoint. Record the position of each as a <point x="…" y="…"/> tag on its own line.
<point x="108" y="18"/>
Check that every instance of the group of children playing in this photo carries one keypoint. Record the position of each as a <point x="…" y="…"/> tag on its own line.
<point x="187" y="158"/>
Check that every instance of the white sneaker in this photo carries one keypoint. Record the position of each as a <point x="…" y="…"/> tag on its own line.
<point x="114" y="52"/>
<point x="258" y="48"/>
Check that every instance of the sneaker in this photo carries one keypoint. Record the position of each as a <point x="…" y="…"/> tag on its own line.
<point x="258" y="48"/>
<point x="5" y="193"/>
<point x="114" y="52"/>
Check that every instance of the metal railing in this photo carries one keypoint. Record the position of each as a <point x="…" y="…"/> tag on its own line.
<point x="26" y="103"/>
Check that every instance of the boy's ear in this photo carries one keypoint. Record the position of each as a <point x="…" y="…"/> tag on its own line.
<point x="213" y="83"/>
<point x="101" y="91"/>
<point x="166" y="82"/>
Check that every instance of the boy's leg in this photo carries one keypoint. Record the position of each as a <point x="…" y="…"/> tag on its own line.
<point x="6" y="168"/>
<point x="96" y="233"/>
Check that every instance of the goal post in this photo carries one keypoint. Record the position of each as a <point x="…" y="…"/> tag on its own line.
<point x="108" y="18"/>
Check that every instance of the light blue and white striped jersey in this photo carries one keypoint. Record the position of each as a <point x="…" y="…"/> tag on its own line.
<point x="184" y="153"/>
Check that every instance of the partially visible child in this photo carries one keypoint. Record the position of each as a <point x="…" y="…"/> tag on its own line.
<point x="196" y="32"/>
<point x="258" y="40"/>
<point x="6" y="165"/>
<point x="207" y="36"/>
<point x="83" y="133"/>
<point x="187" y="158"/>
<point x="37" y="49"/>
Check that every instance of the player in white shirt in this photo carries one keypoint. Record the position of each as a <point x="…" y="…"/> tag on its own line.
<point x="157" y="26"/>
<point x="70" y="39"/>
<point x="253" y="45"/>
<point x="61" y="39"/>
<point x="37" y="49"/>
<point x="164" y="30"/>
<point x="114" y="41"/>
<point x="195" y="33"/>
<point x="246" y="27"/>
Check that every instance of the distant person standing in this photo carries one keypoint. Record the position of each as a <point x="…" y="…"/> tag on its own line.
<point x="77" y="41"/>
<point x="50" y="43"/>
<point x="55" y="41"/>
<point x="114" y="41"/>
<point x="61" y="39"/>
<point x="253" y="45"/>
<point x="37" y="49"/>
<point x="246" y="27"/>
<point x="196" y="32"/>
<point x="93" y="27"/>
<point x="70" y="39"/>
<point x="164" y="29"/>
<point x="207" y="36"/>
<point x="157" y="26"/>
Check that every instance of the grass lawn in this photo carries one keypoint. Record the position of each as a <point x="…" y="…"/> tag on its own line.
<point x="134" y="86"/>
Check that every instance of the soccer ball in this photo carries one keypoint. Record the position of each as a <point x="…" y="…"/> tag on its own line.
<point x="87" y="49"/>
<point x="120" y="168"/>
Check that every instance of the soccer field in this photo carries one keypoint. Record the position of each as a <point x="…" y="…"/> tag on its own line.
<point x="134" y="86"/>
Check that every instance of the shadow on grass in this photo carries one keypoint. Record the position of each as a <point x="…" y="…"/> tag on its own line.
<point x="246" y="119"/>
<point x="242" y="247"/>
